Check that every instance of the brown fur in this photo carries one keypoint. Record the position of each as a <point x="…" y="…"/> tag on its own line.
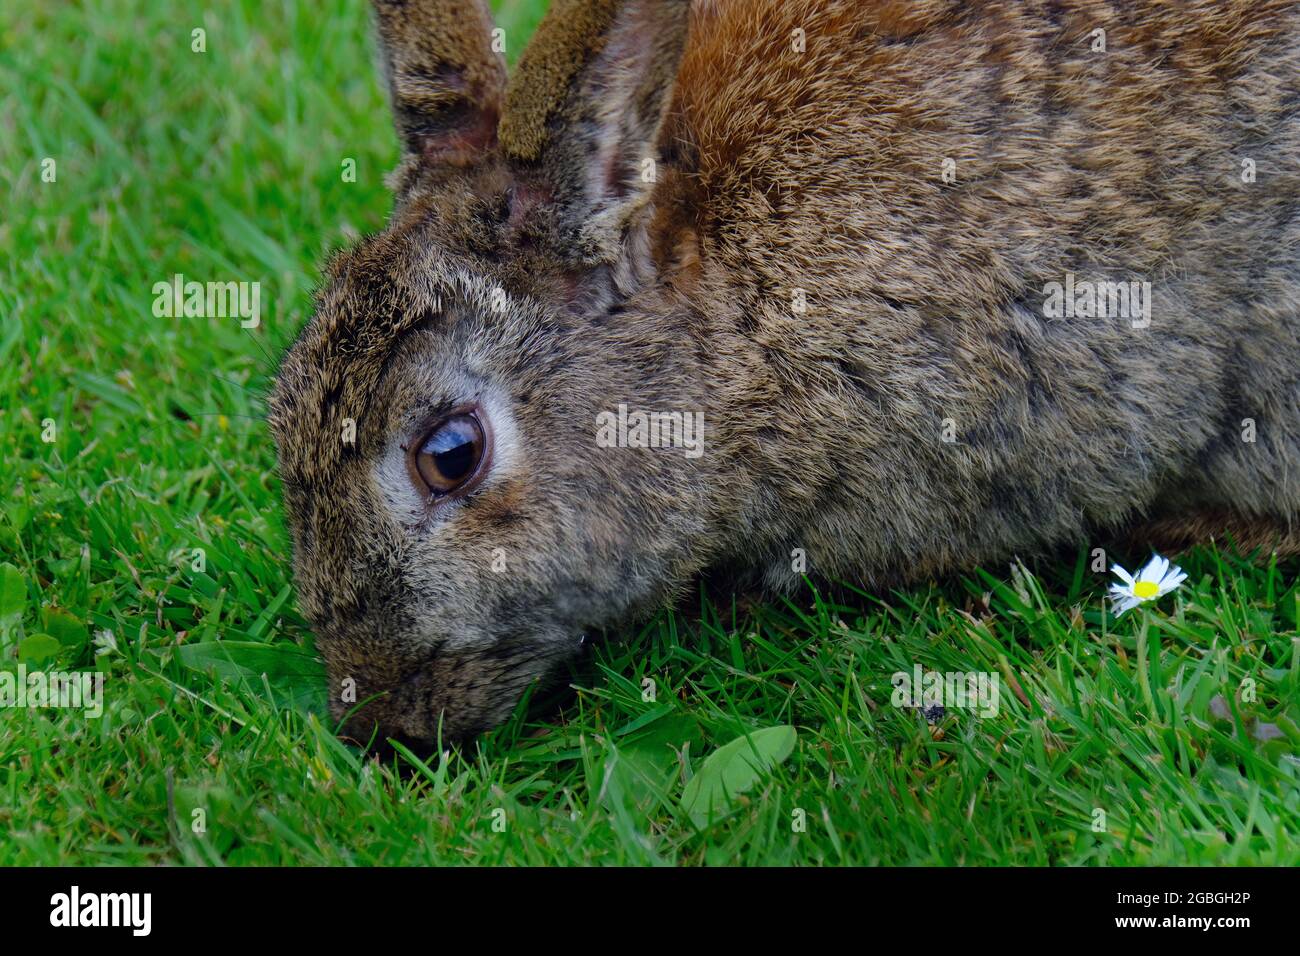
<point x="1247" y="534"/>
<point x="573" y="32"/>
<point x="777" y="171"/>
<point x="441" y="71"/>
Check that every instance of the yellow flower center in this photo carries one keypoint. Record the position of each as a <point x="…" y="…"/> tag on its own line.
<point x="1145" y="589"/>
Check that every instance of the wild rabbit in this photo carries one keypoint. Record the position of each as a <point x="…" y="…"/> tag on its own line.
<point x="889" y="288"/>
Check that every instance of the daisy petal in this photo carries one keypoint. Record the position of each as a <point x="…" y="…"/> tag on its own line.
<point x="1155" y="569"/>
<point x="1126" y="603"/>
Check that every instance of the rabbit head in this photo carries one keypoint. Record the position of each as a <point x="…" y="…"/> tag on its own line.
<point x="457" y="525"/>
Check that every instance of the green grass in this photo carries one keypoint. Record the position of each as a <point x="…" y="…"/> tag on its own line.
<point x="226" y="165"/>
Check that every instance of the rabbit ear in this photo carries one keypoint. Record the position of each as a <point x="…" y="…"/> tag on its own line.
<point x="445" y="80"/>
<point x="584" y="109"/>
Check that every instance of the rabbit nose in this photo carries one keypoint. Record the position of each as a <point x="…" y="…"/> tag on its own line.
<point x="380" y="704"/>
<point x="377" y="725"/>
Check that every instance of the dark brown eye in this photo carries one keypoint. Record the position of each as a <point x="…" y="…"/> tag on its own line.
<point x="449" y="456"/>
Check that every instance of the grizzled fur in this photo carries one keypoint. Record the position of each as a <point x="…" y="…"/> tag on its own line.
<point x="779" y="169"/>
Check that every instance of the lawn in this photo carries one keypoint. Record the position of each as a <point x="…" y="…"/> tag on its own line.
<point x="141" y="535"/>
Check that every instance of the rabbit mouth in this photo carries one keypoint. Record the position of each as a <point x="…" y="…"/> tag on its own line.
<point x="455" y="694"/>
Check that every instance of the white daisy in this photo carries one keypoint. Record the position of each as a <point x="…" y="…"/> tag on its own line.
<point x="1157" y="579"/>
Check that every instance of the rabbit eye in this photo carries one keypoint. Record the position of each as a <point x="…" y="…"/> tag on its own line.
<point x="450" y="456"/>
